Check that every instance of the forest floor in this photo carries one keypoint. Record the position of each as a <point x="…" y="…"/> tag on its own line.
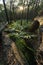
<point x="11" y="52"/>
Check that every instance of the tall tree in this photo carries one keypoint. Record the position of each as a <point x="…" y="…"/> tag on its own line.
<point x="28" y="6"/>
<point x="6" y="11"/>
<point x="11" y="10"/>
<point x="12" y="7"/>
<point x="22" y="3"/>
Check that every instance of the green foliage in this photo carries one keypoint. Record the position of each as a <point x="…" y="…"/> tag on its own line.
<point x="26" y="50"/>
<point x="16" y="25"/>
<point x="2" y="16"/>
<point x="19" y="36"/>
<point x="1" y="64"/>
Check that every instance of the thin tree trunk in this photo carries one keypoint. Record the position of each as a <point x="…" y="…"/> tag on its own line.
<point x="6" y="11"/>
<point x="13" y="11"/>
<point x="27" y="13"/>
<point x="21" y="16"/>
<point x="10" y="10"/>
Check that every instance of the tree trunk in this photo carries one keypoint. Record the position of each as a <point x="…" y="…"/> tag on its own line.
<point x="27" y="13"/>
<point x="21" y="16"/>
<point x="6" y="11"/>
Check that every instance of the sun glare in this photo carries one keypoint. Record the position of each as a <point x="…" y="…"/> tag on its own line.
<point x="21" y="8"/>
